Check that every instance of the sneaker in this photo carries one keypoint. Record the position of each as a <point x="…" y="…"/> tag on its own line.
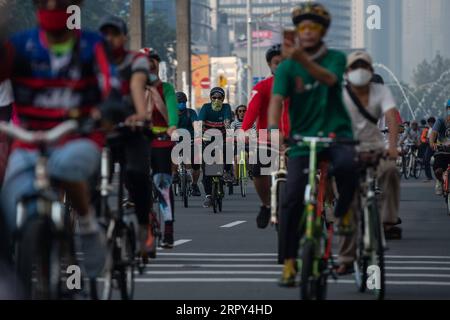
<point x="196" y="191"/>
<point x="393" y="233"/>
<point x="208" y="202"/>
<point x="263" y="218"/>
<point x="289" y="274"/>
<point x="167" y="242"/>
<point x="438" y="188"/>
<point x="128" y="204"/>
<point x="227" y="178"/>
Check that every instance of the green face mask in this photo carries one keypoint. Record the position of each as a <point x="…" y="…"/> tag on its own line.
<point x="217" y="105"/>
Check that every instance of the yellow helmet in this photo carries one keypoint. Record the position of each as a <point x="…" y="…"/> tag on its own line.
<point x="311" y="11"/>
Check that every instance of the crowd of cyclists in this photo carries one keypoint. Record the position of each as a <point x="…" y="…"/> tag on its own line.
<point x="51" y="74"/>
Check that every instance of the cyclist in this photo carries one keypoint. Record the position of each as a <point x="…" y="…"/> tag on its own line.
<point x="6" y="108"/>
<point x="237" y="125"/>
<point x="57" y="73"/>
<point x="439" y="136"/>
<point x="367" y="103"/>
<point x="215" y="115"/>
<point x="428" y="151"/>
<point x="257" y="112"/>
<point x="162" y="107"/>
<point x="311" y="77"/>
<point x="133" y="69"/>
<point x="411" y="135"/>
<point x="187" y="120"/>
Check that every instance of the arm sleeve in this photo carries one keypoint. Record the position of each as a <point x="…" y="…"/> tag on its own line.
<point x="202" y="114"/>
<point x="194" y="116"/>
<point x="253" y="108"/>
<point x="140" y="64"/>
<point x="171" y="103"/>
<point x="282" y="81"/>
<point x="227" y="115"/>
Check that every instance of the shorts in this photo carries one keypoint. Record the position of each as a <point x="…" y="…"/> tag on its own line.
<point x="441" y="161"/>
<point x="257" y="168"/>
<point x="76" y="161"/>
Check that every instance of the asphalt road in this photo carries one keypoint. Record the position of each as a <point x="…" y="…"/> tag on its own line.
<point x="224" y="256"/>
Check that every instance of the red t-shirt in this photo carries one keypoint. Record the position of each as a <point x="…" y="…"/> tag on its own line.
<point x="258" y="108"/>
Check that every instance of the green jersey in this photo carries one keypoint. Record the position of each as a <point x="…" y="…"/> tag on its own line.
<point x="315" y="109"/>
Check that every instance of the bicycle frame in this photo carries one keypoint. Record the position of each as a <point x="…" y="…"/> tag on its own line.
<point x="277" y="177"/>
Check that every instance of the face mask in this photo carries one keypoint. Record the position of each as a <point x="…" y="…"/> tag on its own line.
<point x="360" y="77"/>
<point x="217" y="105"/>
<point x="182" y="106"/>
<point x="52" y="20"/>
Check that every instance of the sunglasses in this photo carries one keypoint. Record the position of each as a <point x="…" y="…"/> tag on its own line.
<point x="311" y="26"/>
<point x="217" y="98"/>
<point x="242" y="111"/>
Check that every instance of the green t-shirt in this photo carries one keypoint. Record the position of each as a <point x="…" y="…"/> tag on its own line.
<point x="315" y="109"/>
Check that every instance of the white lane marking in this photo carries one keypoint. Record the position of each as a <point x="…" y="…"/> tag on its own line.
<point x="418" y="262"/>
<point x="399" y="283"/>
<point x="418" y="268"/>
<point x="193" y="265"/>
<point x="211" y="272"/>
<point x="418" y="257"/>
<point x="220" y="254"/>
<point x="233" y="224"/>
<point x="418" y="275"/>
<point x="218" y="259"/>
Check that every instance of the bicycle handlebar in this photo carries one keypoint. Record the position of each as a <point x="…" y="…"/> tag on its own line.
<point x="39" y="137"/>
<point x="298" y="139"/>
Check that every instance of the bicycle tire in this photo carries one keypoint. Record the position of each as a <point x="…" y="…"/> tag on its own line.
<point x="214" y="196"/>
<point x="242" y="182"/>
<point x="307" y="282"/>
<point x="185" y="191"/>
<point x="404" y="168"/>
<point x="230" y="189"/>
<point x="447" y="200"/>
<point x="361" y="262"/>
<point x="127" y="264"/>
<point x="378" y="254"/>
<point x="281" y="188"/>
<point x="417" y="169"/>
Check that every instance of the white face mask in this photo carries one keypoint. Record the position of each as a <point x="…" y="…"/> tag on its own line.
<point x="360" y="77"/>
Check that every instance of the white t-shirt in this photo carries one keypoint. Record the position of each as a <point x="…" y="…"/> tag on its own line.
<point x="6" y="93"/>
<point x="369" y="134"/>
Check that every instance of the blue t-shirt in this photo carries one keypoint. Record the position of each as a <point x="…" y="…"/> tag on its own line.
<point x="215" y="119"/>
<point x="441" y="128"/>
<point x="186" y="120"/>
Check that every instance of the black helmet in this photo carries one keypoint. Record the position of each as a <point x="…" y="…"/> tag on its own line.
<point x="181" y="97"/>
<point x="217" y="90"/>
<point x="311" y="11"/>
<point x="273" y="51"/>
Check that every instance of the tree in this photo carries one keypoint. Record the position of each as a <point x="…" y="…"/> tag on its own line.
<point x="432" y="84"/>
<point x="159" y="35"/>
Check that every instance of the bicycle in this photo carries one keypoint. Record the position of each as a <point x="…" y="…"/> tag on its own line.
<point x="184" y="187"/>
<point x="316" y="262"/>
<point x="371" y="243"/>
<point x="120" y="229"/>
<point x="44" y="241"/>
<point x="242" y="174"/>
<point x="414" y="166"/>
<point x="278" y="188"/>
<point x="216" y="172"/>
<point x="445" y="177"/>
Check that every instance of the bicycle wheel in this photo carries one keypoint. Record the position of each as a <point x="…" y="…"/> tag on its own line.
<point x="362" y="262"/>
<point x="447" y="200"/>
<point x="308" y="282"/>
<point x="377" y="256"/>
<point x="126" y="266"/>
<point x="220" y="196"/>
<point x="214" y="196"/>
<point x="417" y="169"/>
<point x="230" y="188"/>
<point x="281" y="188"/>
<point x="405" y="162"/>
<point x="242" y="180"/>
<point x="184" y="190"/>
